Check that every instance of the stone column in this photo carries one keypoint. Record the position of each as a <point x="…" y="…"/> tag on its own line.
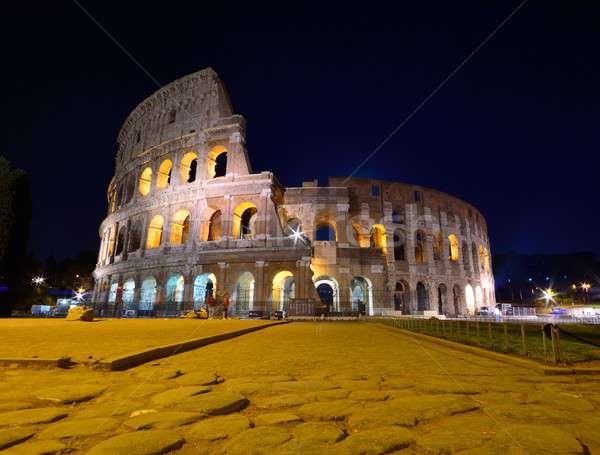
<point x="259" y="286"/>
<point x="188" y="291"/>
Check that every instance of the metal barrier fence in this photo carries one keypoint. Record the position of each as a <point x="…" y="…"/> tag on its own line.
<point x="549" y="343"/>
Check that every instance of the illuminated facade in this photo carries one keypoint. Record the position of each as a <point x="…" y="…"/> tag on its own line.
<point x="188" y="218"/>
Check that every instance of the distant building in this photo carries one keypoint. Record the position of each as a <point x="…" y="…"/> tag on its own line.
<point x="188" y="217"/>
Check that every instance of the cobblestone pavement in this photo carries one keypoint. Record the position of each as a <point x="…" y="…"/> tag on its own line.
<point x="309" y="388"/>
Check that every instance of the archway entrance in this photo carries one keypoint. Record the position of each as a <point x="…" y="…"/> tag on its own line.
<point x="361" y="295"/>
<point x="174" y="293"/>
<point x="243" y="294"/>
<point x="441" y="298"/>
<point x="470" y="299"/>
<point x="401" y="298"/>
<point x="422" y="298"/>
<point x="456" y="299"/>
<point x="328" y="291"/>
<point x="147" y="296"/>
<point x="205" y="286"/>
<point x="284" y="288"/>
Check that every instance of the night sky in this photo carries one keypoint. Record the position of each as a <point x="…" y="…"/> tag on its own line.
<point x="514" y="132"/>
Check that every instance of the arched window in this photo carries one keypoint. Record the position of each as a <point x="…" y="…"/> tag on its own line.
<point x="217" y="162"/>
<point x="453" y="247"/>
<point x="419" y="247"/>
<point x="180" y="228"/>
<point x="362" y="295"/>
<point x="145" y="181"/>
<point x="205" y="285"/>
<point x="155" y="229"/>
<point x="465" y="256"/>
<point x="188" y="167"/>
<point x="135" y="236"/>
<point x="128" y="294"/>
<point x="324" y="232"/>
<point x="438" y="245"/>
<point x="243" y="293"/>
<point x="397" y="217"/>
<point x="377" y="238"/>
<point x="214" y="226"/>
<point x="283" y="289"/>
<point x="244" y="217"/>
<point x="121" y="241"/>
<point x="147" y="295"/>
<point x="422" y="297"/>
<point x="174" y="292"/>
<point x="399" y="253"/>
<point x="474" y="256"/>
<point x="163" y="179"/>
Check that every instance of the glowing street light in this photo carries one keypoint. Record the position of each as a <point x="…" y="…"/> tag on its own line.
<point x="297" y="234"/>
<point x="38" y="280"/>
<point x="549" y="295"/>
<point x="586" y="288"/>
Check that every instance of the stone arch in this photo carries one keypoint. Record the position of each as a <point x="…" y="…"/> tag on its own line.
<point x="378" y="237"/>
<point x="205" y="285"/>
<point x="422" y="297"/>
<point x="465" y="257"/>
<point x="442" y="302"/>
<point x="180" y="227"/>
<point x="328" y="291"/>
<point x="188" y="167"/>
<point x="284" y="288"/>
<point x="145" y="182"/>
<point x="148" y="293"/>
<point x="121" y="241"/>
<point x="456" y="299"/>
<point x="155" y="230"/>
<point x="453" y="247"/>
<point x="174" y="291"/>
<point x="325" y="228"/>
<point x="402" y="297"/>
<point x="129" y="187"/>
<point x="163" y="177"/>
<point x="474" y="257"/>
<point x="470" y="299"/>
<point x="243" y="293"/>
<point x="361" y="293"/>
<point x="399" y="245"/>
<point x="135" y="236"/>
<point x="486" y="259"/>
<point x="244" y="220"/>
<point x="419" y="246"/>
<point x="478" y="297"/>
<point x="129" y="294"/>
<point x="215" y="165"/>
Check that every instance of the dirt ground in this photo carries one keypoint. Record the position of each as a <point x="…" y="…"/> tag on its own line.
<point x="102" y="338"/>
<point x="306" y="388"/>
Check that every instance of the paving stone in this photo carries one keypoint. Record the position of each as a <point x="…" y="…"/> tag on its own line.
<point x="12" y="436"/>
<point x="78" y="428"/>
<point x="257" y="441"/>
<point x="443" y="387"/>
<point x="381" y="415"/>
<point x="458" y="433"/>
<point x="139" y="391"/>
<point x="282" y="401"/>
<point x="303" y="386"/>
<point x="15" y="406"/>
<point x="540" y="439"/>
<point x="162" y="420"/>
<point x="328" y="410"/>
<point x="323" y="395"/>
<point x="561" y="400"/>
<point x="214" y="403"/>
<point x="178" y="394"/>
<point x="375" y="442"/>
<point x="276" y="418"/>
<point x="68" y="394"/>
<point x="318" y="432"/>
<point x="37" y="448"/>
<point x="198" y="378"/>
<point x="108" y="409"/>
<point x="398" y="383"/>
<point x="219" y="427"/>
<point x="32" y="416"/>
<point x="360" y="385"/>
<point x="428" y="407"/>
<point x="247" y="388"/>
<point x="369" y="395"/>
<point x="151" y="442"/>
<point x="532" y="413"/>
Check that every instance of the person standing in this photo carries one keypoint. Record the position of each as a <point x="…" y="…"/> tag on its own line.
<point x="225" y="305"/>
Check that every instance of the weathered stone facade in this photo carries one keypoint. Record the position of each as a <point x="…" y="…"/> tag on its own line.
<point x="188" y="218"/>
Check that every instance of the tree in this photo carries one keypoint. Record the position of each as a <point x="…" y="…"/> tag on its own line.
<point x="15" y="221"/>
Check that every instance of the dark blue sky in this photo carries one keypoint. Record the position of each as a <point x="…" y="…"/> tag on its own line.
<point x="515" y="132"/>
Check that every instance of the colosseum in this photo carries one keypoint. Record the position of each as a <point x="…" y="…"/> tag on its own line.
<point x="189" y="219"/>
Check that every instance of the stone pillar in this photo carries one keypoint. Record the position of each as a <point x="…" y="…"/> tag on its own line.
<point x="226" y="220"/>
<point x="188" y="291"/>
<point x="222" y="285"/>
<point x="300" y="278"/>
<point x="259" y="286"/>
<point x="341" y="220"/>
<point x="137" y="293"/>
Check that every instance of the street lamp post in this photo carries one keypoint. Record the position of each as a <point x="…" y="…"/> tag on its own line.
<point x="586" y="289"/>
